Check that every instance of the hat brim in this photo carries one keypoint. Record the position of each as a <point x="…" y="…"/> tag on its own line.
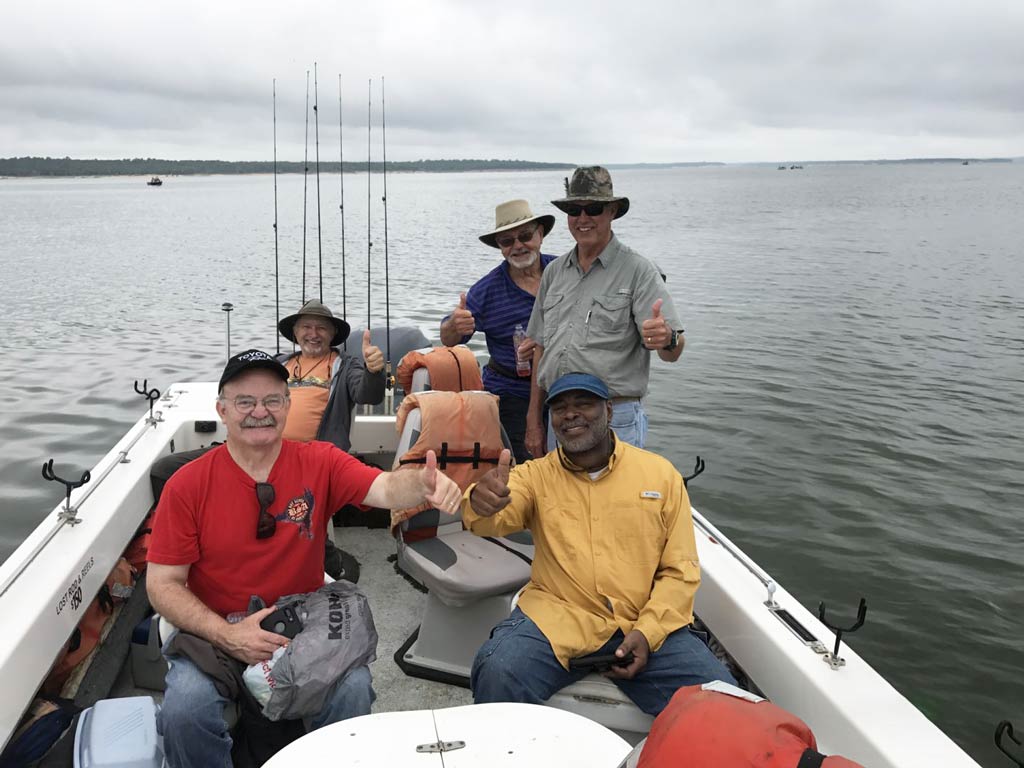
<point x="623" y="202"/>
<point x="286" y="327"/>
<point x="547" y="221"/>
<point x="576" y="386"/>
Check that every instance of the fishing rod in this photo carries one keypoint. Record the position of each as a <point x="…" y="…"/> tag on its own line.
<point x="316" y="124"/>
<point x="369" y="242"/>
<point x="305" y="187"/>
<point x="341" y="209"/>
<point x="384" y="199"/>
<point x="277" y="263"/>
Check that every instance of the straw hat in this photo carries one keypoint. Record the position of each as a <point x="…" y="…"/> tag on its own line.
<point x="512" y="214"/>
<point x="316" y="309"/>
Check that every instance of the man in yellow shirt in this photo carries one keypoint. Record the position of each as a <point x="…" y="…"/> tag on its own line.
<point x="615" y="571"/>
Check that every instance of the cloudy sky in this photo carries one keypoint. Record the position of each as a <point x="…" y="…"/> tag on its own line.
<point x="642" y="81"/>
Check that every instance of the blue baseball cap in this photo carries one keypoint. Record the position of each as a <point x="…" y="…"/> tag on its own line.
<point x="578" y="381"/>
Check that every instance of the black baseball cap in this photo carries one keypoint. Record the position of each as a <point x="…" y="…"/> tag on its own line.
<point x="245" y="361"/>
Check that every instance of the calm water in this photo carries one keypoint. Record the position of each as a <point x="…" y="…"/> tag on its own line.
<point x="852" y="374"/>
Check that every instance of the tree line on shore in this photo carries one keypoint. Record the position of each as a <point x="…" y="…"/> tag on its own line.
<point x="67" y="166"/>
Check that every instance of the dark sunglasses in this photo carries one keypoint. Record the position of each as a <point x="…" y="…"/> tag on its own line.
<point x="591" y="209"/>
<point x="523" y="236"/>
<point x="266" y="525"/>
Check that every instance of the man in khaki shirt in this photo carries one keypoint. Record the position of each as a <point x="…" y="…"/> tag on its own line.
<point x="615" y="571"/>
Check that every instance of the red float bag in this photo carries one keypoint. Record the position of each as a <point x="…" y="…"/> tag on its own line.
<point x="718" y="725"/>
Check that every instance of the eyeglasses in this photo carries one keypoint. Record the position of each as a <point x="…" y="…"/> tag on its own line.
<point x="523" y="236"/>
<point x="247" y="404"/>
<point x="591" y="209"/>
<point x="266" y="524"/>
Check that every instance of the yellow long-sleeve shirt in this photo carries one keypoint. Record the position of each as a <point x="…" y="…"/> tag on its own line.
<point x="613" y="553"/>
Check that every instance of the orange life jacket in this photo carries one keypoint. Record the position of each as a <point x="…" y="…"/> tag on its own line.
<point x="87" y="634"/>
<point x="709" y="729"/>
<point x="463" y="429"/>
<point x="452" y="369"/>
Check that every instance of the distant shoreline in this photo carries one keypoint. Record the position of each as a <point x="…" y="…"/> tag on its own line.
<point x="52" y="167"/>
<point x="67" y="167"/>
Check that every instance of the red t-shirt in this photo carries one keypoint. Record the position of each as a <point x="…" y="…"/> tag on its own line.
<point x="207" y="518"/>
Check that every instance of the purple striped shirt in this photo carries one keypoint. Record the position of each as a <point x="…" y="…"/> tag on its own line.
<point x="498" y="305"/>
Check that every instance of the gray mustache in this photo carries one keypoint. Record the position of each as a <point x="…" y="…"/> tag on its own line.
<point x="266" y="421"/>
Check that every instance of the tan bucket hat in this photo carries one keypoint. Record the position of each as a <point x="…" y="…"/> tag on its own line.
<point x="317" y="309"/>
<point x="512" y="214"/>
<point x="591" y="183"/>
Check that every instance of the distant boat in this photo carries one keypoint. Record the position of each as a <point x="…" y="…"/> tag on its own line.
<point x="781" y="168"/>
<point x="796" y="167"/>
<point x="154" y="182"/>
<point x="965" y="163"/>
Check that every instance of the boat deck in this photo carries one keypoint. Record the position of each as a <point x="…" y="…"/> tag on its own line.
<point x="397" y="606"/>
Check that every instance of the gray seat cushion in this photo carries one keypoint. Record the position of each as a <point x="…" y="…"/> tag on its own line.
<point x="460" y="567"/>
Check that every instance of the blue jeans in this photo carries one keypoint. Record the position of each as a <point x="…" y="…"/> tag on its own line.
<point x="191" y="719"/>
<point x="629" y="422"/>
<point x="517" y="664"/>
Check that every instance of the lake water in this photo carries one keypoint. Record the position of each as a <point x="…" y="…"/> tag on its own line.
<point x="852" y="374"/>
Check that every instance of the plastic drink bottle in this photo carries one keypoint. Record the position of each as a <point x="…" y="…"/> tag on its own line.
<point x="523" y="367"/>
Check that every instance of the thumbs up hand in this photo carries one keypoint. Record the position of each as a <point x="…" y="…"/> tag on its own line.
<point x="439" y="489"/>
<point x="462" y="319"/>
<point x="372" y="356"/>
<point x="655" y="331"/>
<point x="492" y="494"/>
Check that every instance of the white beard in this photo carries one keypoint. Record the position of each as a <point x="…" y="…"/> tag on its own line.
<point x="524" y="262"/>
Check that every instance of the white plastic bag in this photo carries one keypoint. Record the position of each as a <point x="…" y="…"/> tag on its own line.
<point x="259" y="678"/>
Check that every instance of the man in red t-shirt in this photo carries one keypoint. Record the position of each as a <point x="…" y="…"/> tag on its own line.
<point x="250" y="518"/>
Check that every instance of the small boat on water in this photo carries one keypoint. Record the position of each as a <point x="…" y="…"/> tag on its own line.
<point x="154" y="182"/>
<point x="782" y="650"/>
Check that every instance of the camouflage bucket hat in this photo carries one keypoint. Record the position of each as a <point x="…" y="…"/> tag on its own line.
<point x="591" y="183"/>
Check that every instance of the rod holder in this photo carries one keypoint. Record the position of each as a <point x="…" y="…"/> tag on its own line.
<point x="1005" y="728"/>
<point x="151" y="395"/>
<point x="67" y="514"/>
<point x="226" y="307"/>
<point x="698" y="468"/>
<point x="833" y="659"/>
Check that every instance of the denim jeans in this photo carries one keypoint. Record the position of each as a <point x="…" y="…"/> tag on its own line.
<point x="191" y="719"/>
<point x="629" y="422"/>
<point x="517" y="664"/>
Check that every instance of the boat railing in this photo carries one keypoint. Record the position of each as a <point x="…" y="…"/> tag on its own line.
<point x="67" y="515"/>
<point x="720" y="538"/>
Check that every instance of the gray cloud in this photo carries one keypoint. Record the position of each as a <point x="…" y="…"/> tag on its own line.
<point x="648" y="81"/>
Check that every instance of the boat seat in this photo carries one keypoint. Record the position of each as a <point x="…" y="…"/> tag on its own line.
<point x="456" y="565"/>
<point x="470" y="579"/>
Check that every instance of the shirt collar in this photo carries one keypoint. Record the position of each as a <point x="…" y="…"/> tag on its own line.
<point x="605" y="257"/>
<point x="617" y="450"/>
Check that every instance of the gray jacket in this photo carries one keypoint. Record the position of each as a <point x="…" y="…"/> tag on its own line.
<point x="360" y="386"/>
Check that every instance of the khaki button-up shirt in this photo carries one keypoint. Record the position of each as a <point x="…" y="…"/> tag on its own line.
<point x="591" y="321"/>
<point x="613" y="553"/>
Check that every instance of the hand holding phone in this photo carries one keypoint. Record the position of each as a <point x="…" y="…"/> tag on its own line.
<point x="284" y="621"/>
<point x="600" y="663"/>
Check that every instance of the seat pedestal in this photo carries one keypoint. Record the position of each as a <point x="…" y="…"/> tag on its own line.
<point x="446" y="642"/>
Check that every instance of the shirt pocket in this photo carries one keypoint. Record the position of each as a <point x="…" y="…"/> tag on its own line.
<point x="554" y="315"/>
<point x="638" y="531"/>
<point x="609" y="321"/>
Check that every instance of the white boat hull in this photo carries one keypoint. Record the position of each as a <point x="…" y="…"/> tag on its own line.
<point x="852" y="710"/>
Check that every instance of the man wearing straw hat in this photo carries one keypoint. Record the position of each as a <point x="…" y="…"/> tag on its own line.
<point x="499" y="302"/>
<point x="602" y="309"/>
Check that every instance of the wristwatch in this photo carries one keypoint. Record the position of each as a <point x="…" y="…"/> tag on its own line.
<point x="673" y="340"/>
